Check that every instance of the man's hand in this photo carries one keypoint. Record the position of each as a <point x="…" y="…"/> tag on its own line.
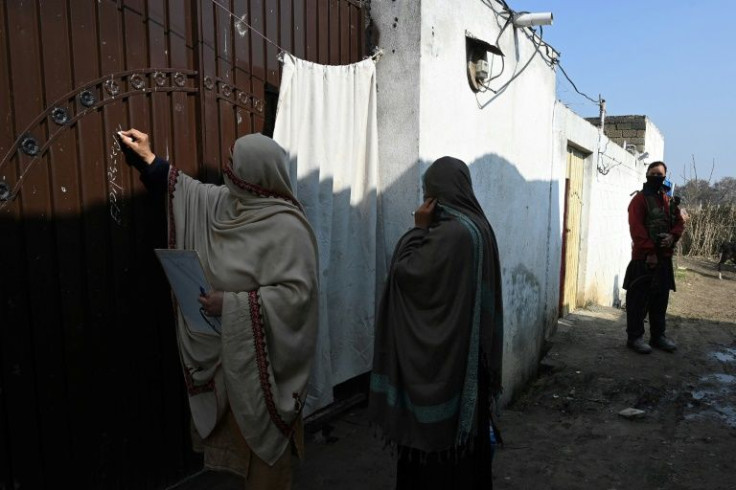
<point x="666" y="239"/>
<point x="211" y="303"/>
<point x="424" y="214"/>
<point x="139" y="143"/>
<point x="652" y="261"/>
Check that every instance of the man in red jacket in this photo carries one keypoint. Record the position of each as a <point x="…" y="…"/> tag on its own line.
<point x="655" y="228"/>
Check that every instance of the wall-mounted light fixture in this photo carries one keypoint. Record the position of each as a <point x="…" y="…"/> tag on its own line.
<point x="528" y="19"/>
<point x="477" y="56"/>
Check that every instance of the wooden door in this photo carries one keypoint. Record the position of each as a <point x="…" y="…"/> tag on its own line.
<point x="571" y="231"/>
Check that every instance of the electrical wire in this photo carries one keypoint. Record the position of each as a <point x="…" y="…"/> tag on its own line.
<point x="537" y="46"/>
<point x="503" y="66"/>
<point x="19" y="183"/>
<point x="503" y="87"/>
<point x="514" y="77"/>
<point x="241" y="20"/>
<point x="551" y="60"/>
<point x="596" y="102"/>
<point x="509" y="19"/>
<point x="604" y="170"/>
<point x="505" y="5"/>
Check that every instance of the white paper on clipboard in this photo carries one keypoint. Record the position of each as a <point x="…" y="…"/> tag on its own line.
<point x="185" y="274"/>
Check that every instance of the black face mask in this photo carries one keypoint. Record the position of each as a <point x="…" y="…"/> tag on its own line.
<point x="655" y="181"/>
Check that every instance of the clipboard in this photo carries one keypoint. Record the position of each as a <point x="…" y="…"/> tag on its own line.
<point x="186" y="276"/>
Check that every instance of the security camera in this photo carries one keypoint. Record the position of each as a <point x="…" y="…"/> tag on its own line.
<point x="528" y="19"/>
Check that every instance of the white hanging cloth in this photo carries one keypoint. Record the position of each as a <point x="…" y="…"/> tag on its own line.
<point x="326" y="121"/>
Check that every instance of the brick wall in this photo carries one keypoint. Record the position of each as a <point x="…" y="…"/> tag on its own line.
<point x="631" y="130"/>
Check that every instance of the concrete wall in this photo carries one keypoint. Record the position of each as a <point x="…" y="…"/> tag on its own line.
<point x="397" y="30"/>
<point x="426" y="110"/>
<point x="515" y="144"/>
<point x="610" y="178"/>
<point x="653" y="143"/>
<point x="636" y="133"/>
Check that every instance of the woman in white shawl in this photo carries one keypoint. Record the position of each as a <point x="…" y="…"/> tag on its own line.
<point x="246" y="384"/>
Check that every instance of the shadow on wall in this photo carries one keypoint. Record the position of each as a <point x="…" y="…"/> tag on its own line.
<point x="525" y="217"/>
<point x="90" y="369"/>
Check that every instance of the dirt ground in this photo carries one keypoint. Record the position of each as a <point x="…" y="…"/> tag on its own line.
<point x="565" y="431"/>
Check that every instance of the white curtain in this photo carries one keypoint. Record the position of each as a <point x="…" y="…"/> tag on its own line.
<point x="326" y="120"/>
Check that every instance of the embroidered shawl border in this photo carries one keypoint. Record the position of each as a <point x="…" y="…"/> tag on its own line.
<point x="256" y="189"/>
<point x="173" y="177"/>
<point x="259" y="341"/>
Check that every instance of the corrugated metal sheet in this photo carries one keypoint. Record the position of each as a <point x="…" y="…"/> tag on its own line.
<point x="91" y="390"/>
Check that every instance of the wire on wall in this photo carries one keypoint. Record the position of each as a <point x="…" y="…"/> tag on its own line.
<point x="596" y="102"/>
<point x="240" y="21"/>
<point x="605" y="162"/>
<point x="241" y="24"/>
<point x="537" y="50"/>
<point x="539" y="44"/>
<point x="552" y="61"/>
<point x="602" y="168"/>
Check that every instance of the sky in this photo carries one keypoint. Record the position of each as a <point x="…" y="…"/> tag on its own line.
<point x="672" y="61"/>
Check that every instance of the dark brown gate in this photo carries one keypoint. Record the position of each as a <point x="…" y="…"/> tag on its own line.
<point x="90" y="387"/>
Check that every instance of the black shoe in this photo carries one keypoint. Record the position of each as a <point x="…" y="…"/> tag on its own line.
<point x="663" y="343"/>
<point x="639" y="345"/>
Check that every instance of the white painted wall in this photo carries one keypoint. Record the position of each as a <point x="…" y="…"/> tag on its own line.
<point x="516" y="146"/>
<point x="426" y="110"/>
<point x="610" y="178"/>
<point x="398" y="75"/>
<point x="653" y="143"/>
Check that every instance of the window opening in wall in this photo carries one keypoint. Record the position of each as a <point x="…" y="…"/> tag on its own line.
<point x="476" y="51"/>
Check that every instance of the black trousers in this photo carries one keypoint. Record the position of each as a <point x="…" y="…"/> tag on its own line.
<point x="647" y="291"/>
<point x="471" y="471"/>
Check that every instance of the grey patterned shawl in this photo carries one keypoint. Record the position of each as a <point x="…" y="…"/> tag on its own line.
<point x="255" y="245"/>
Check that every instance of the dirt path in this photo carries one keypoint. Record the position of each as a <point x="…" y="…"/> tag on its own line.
<point x="565" y="431"/>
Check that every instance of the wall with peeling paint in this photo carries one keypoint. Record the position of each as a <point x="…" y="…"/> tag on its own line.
<point x="427" y="110"/>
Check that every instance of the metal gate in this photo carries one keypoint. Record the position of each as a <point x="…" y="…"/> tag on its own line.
<point x="90" y="388"/>
<point x="571" y="230"/>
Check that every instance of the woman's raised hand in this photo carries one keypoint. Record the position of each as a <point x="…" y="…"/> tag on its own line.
<point x="139" y="142"/>
<point x="424" y="214"/>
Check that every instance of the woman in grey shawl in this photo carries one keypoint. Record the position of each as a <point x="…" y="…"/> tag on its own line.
<point x="247" y="383"/>
<point x="439" y="339"/>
